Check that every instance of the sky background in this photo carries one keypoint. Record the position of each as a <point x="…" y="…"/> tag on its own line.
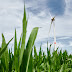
<point x="38" y="14"/>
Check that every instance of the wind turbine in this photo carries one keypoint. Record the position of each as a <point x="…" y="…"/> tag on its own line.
<point x="52" y="22"/>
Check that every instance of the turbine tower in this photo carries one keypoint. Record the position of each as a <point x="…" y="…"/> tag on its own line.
<point x="52" y="22"/>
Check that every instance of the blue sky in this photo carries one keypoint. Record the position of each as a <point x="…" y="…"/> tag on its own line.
<point x="11" y="14"/>
<point x="56" y="6"/>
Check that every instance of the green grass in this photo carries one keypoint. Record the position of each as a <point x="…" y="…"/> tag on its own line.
<point x="55" y="62"/>
<point x="23" y="61"/>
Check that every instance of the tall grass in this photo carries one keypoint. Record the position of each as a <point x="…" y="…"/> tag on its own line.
<point x="55" y="62"/>
<point x="23" y="61"/>
<point x="18" y="62"/>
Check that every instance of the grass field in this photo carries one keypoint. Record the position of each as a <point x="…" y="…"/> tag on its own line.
<point x="23" y="61"/>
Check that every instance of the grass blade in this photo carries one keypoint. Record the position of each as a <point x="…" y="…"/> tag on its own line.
<point x="3" y="50"/>
<point x="15" y="53"/>
<point x="30" y="44"/>
<point x="4" y="53"/>
<point x="23" y="38"/>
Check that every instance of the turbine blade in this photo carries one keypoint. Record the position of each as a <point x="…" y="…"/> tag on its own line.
<point x="51" y="22"/>
<point x="55" y="15"/>
<point x="50" y="14"/>
<point x="54" y="32"/>
<point x="49" y="29"/>
<point x="54" y="36"/>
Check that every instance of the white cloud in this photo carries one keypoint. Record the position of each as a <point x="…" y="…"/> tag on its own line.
<point x="70" y="44"/>
<point x="68" y="6"/>
<point x="64" y="38"/>
<point x="11" y="13"/>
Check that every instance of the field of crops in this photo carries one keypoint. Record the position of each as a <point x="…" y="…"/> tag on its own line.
<point x="23" y="59"/>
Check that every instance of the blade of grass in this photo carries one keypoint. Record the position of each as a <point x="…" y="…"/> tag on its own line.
<point x="30" y="44"/>
<point x="18" y="51"/>
<point x="23" y="38"/>
<point x="15" y="53"/>
<point x="4" y="53"/>
<point x="3" y="50"/>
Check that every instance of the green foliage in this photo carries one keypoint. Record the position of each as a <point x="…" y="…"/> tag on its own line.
<point x="55" y="62"/>
<point x="24" y="29"/>
<point x="4" y="57"/>
<point x="23" y="60"/>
